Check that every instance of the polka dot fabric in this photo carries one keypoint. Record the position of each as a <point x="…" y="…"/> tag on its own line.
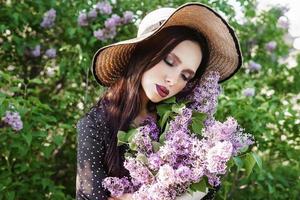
<point x="91" y="132"/>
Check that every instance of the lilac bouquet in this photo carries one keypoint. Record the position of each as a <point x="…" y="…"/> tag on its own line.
<point x="190" y="154"/>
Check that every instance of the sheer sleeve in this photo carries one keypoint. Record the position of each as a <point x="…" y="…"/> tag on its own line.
<point x="91" y="132"/>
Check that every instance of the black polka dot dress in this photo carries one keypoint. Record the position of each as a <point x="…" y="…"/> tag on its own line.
<point x="91" y="132"/>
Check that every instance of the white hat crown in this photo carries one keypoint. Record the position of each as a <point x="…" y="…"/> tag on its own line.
<point x="154" y="19"/>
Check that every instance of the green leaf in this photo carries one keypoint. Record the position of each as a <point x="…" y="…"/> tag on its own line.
<point x="200" y="186"/>
<point x="164" y="118"/>
<point x="27" y="137"/>
<point x="142" y="158"/>
<point x="156" y="146"/>
<point x="36" y="80"/>
<point x="184" y="101"/>
<point x="198" y="122"/>
<point x="249" y="162"/>
<point x="238" y="162"/>
<point x="162" y="137"/>
<point x="121" y="135"/>
<point x="11" y="195"/>
<point x="58" y="139"/>
<point x="257" y="159"/>
<point x="162" y="109"/>
<point x="131" y="134"/>
<point x="170" y="100"/>
<point x="126" y="137"/>
<point x="133" y="146"/>
<point x="177" y="108"/>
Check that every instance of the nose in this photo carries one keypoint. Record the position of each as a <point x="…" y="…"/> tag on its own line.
<point x="171" y="80"/>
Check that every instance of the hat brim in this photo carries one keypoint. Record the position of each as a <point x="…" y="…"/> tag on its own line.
<point x="110" y="61"/>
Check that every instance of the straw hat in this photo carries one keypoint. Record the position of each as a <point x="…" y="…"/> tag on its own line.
<point x="110" y="61"/>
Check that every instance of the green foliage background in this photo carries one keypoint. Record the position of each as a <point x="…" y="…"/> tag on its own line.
<point x="39" y="162"/>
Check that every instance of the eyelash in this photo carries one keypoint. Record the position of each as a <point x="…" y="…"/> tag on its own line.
<point x="183" y="77"/>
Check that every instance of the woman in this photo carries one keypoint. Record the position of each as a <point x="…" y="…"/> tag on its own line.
<point x="173" y="49"/>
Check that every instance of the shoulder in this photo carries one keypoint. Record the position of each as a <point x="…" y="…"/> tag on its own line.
<point x="95" y="118"/>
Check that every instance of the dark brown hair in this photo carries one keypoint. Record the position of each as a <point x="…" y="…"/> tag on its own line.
<point x="124" y="96"/>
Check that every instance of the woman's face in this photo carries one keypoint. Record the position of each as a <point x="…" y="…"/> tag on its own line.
<point x="171" y="74"/>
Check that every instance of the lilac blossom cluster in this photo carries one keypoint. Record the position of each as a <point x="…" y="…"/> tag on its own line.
<point x="14" y="120"/>
<point x="249" y="92"/>
<point x="254" y="66"/>
<point x="184" y="158"/>
<point x="118" y="186"/>
<point x="205" y="96"/>
<point x="36" y="52"/>
<point x="48" y="19"/>
<point x="271" y="46"/>
<point x="110" y="25"/>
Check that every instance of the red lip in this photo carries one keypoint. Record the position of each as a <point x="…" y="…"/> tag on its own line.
<point x="162" y="91"/>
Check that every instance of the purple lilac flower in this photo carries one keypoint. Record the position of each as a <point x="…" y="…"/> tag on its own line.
<point x="253" y="66"/>
<point x="205" y="96"/>
<point x="180" y="123"/>
<point x="177" y="149"/>
<point x="112" y="22"/>
<point x="104" y="34"/>
<point x="104" y="7"/>
<point x="228" y="131"/>
<point x="48" y="19"/>
<point x="110" y="33"/>
<point x="221" y="131"/>
<point x="143" y="141"/>
<point x="151" y="124"/>
<point x="240" y="141"/>
<point x="36" y="52"/>
<point x="14" y="120"/>
<point x="218" y="156"/>
<point x="249" y="92"/>
<point x="283" y="22"/>
<point x="92" y="14"/>
<point x="183" y="174"/>
<point x="166" y="175"/>
<point x="50" y="53"/>
<point x="158" y="192"/>
<point x="138" y="171"/>
<point x="99" y="34"/>
<point x="213" y="179"/>
<point x="127" y="17"/>
<point x="82" y="19"/>
<point x="271" y="46"/>
<point x="118" y="186"/>
<point x="155" y="161"/>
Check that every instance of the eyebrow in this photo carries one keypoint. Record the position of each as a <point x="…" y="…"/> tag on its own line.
<point x="191" y="72"/>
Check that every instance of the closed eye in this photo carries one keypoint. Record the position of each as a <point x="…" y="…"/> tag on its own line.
<point x="171" y="65"/>
<point x="167" y="62"/>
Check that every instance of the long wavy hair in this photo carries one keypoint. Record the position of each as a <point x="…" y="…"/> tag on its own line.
<point x="124" y="99"/>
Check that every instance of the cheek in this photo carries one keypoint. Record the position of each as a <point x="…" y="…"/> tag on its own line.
<point x="180" y="87"/>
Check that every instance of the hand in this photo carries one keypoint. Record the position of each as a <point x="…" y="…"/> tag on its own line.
<point x="126" y="196"/>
